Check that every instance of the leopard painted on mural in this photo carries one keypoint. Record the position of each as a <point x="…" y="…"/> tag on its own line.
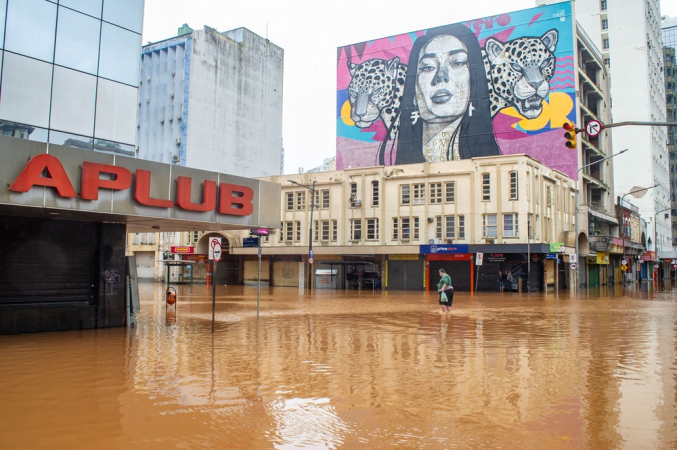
<point x="519" y="72"/>
<point x="375" y="90"/>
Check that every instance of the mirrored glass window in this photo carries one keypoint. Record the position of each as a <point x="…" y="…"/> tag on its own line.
<point x="126" y="13"/>
<point x="3" y="10"/>
<point x="22" y="131"/>
<point x="101" y="145"/>
<point x="77" y="41"/>
<point x="91" y="7"/>
<point x="70" y="140"/>
<point x="26" y="86"/>
<point x="73" y="100"/>
<point x="120" y="55"/>
<point x="31" y="25"/>
<point x="116" y="111"/>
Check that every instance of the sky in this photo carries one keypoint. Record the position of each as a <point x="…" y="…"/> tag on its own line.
<point x="309" y="31"/>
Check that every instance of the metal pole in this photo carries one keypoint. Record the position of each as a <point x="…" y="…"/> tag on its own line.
<point x="310" y="239"/>
<point x="650" y="124"/>
<point x="528" y="283"/>
<point x="258" y="294"/>
<point x="213" y="293"/>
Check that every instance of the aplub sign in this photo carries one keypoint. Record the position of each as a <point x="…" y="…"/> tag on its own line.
<point x="46" y="170"/>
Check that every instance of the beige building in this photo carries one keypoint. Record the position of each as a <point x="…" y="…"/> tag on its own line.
<point x="393" y="227"/>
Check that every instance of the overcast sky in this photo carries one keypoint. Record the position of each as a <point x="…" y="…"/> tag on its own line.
<point x="309" y="31"/>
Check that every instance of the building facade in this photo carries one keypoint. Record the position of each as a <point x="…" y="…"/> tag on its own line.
<point x="394" y="227"/>
<point x="669" y="28"/>
<point x="70" y="72"/>
<point x="628" y="32"/>
<point x="213" y="101"/>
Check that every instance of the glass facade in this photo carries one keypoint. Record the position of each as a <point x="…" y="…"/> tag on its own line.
<point x="69" y="72"/>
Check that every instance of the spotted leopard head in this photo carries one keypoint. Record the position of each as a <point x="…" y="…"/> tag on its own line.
<point x="372" y="89"/>
<point x="520" y="71"/>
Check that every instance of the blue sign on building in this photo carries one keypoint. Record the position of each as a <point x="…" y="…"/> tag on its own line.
<point x="444" y="248"/>
<point x="250" y="242"/>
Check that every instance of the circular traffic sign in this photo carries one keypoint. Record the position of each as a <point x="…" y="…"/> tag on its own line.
<point x="573" y="266"/>
<point x="624" y="262"/>
<point x="657" y="266"/>
<point x="593" y="128"/>
<point x="216" y="248"/>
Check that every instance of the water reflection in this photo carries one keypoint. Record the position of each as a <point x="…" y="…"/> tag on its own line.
<point x="356" y="370"/>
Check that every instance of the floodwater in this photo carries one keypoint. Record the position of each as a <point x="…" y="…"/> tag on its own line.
<point x="353" y="370"/>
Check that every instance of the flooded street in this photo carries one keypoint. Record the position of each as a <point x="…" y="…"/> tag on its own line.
<point x="353" y="370"/>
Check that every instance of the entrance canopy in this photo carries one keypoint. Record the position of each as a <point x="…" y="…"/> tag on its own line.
<point x="57" y="182"/>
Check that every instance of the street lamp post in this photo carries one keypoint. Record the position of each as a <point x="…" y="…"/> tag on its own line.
<point x="576" y="206"/>
<point x="310" y="231"/>
<point x="623" y="203"/>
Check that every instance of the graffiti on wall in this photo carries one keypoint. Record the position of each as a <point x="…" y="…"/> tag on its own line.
<point x="498" y="85"/>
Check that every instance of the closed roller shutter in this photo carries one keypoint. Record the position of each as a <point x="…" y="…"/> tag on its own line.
<point x="145" y="265"/>
<point x="458" y="271"/>
<point x="405" y="275"/>
<point x="286" y="273"/>
<point x="47" y="261"/>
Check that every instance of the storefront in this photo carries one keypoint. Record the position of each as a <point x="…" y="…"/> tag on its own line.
<point x="455" y="260"/>
<point x="405" y="272"/>
<point x="67" y="213"/>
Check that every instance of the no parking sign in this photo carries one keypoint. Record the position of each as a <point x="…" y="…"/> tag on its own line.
<point x="479" y="258"/>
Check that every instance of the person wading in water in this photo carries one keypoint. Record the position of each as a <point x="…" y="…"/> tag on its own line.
<point x="446" y="291"/>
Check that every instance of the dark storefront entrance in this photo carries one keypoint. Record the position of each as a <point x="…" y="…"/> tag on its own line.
<point x="405" y="272"/>
<point x="458" y="266"/>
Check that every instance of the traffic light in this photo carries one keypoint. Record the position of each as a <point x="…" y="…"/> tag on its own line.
<point x="570" y="134"/>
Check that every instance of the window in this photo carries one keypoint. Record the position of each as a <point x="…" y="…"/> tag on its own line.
<point x="489" y="228"/>
<point x="435" y="193"/>
<point x="372" y="229"/>
<point x="325" y="230"/>
<point x="356" y="229"/>
<point x="513" y="185"/>
<point x="486" y="187"/>
<point x="461" y="227"/>
<point x="374" y="193"/>
<point x="416" y="228"/>
<point x="449" y="227"/>
<point x="353" y="195"/>
<point x="450" y="192"/>
<point x="510" y="225"/>
<point x="396" y="234"/>
<point x="316" y="200"/>
<point x="607" y="62"/>
<point x="334" y="231"/>
<point x="298" y="231"/>
<point x="404" y="194"/>
<point x="196" y="236"/>
<point x="301" y="200"/>
<point x="406" y="228"/>
<point x="316" y="231"/>
<point x="605" y="24"/>
<point x="325" y="198"/>
<point x="289" y="231"/>
<point x="605" y="44"/>
<point x="548" y="196"/>
<point x="290" y="201"/>
<point x="438" y="227"/>
<point x="602" y="5"/>
<point x="419" y="194"/>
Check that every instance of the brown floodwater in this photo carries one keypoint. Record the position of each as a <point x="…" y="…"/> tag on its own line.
<point x="354" y="370"/>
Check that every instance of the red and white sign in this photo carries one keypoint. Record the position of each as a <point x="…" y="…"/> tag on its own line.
<point x="593" y="128"/>
<point x="479" y="259"/>
<point x="215" y="249"/>
<point x="186" y="249"/>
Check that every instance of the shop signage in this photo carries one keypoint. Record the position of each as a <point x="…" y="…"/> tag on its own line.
<point x="403" y="257"/>
<point x="231" y="200"/>
<point x="198" y="258"/>
<point x="557" y="247"/>
<point x="648" y="256"/>
<point x="182" y="250"/>
<point x="495" y="257"/>
<point x="250" y="242"/>
<point x="551" y="256"/>
<point x="444" y="248"/>
<point x="602" y="258"/>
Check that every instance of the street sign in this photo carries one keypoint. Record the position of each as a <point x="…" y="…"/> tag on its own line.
<point x="657" y="266"/>
<point x="573" y="266"/>
<point x="250" y="242"/>
<point x="674" y="266"/>
<point x="572" y="258"/>
<point x="479" y="258"/>
<point x="310" y="261"/>
<point x="624" y="267"/>
<point x="624" y="262"/>
<point x="217" y="252"/>
<point x="213" y="241"/>
<point x="593" y="128"/>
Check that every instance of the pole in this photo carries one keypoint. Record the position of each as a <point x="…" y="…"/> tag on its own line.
<point x="649" y="124"/>
<point x="213" y="294"/>
<point x="478" y="278"/>
<point x="258" y="294"/>
<point x="528" y="283"/>
<point x="310" y="239"/>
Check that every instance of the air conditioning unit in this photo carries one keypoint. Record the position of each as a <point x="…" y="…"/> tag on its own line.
<point x="358" y="202"/>
<point x="433" y="241"/>
<point x="175" y="158"/>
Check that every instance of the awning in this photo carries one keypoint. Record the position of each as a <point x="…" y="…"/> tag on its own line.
<point x="602" y="216"/>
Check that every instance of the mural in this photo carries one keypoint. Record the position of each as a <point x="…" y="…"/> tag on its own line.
<point x="498" y="85"/>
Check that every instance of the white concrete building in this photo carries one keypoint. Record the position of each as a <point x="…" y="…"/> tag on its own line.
<point x="212" y="101"/>
<point x="628" y="32"/>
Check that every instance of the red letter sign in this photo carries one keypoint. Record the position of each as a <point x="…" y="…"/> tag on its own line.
<point x="89" y="190"/>
<point x="183" y="189"/>
<point x="235" y="200"/>
<point x="142" y="191"/>
<point x="57" y="177"/>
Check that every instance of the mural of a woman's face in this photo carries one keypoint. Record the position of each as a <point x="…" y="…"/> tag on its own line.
<point x="443" y="80"/>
